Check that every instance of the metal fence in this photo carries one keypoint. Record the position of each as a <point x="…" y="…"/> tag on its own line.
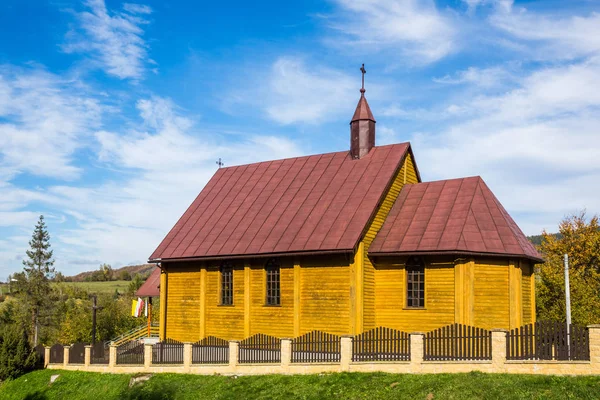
<point x="546" y="340"/>
<point x="458" y="342"/>
<point x="381" y="344"/>
<point x="316" y="346"/>
<point x="77" y="353"/>
<point x="260" y="349"/>
<point x="57" y="354"/>
<point x="168" y="351"/>
<point x="99" y="353"/>
<point x="40" y="352"/>
<point x="210" y="350"/>
<point x="130" y="353"/>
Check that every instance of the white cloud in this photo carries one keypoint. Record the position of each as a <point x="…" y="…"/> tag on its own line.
<point x="536" y="145"/>
<point x="416" y="28"/>
<point x="113" y="38"/>
<point x="299" y="94"/>
<point x="480" y="77"/>
<point x="44" y="119"/>
<point x="552" y="36"/>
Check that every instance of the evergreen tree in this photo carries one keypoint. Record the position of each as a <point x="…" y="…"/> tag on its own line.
<point x="38" y="269"/>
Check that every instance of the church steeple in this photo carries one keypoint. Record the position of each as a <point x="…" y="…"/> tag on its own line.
<point x="362" y="126"/>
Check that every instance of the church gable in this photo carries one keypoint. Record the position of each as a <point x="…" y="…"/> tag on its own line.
<point x="305" y="204"/>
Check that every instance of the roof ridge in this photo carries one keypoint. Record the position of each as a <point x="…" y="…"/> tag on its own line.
<point x="361" y="200"/>
<point x="450" y="213"/>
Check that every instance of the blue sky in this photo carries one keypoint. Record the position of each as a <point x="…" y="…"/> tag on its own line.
<point x="113" y="114"/>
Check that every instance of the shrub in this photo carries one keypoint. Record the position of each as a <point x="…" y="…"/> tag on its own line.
<point x="16" y="355"/>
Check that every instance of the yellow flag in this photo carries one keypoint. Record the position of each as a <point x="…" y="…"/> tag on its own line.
<point x="133" y="307"/>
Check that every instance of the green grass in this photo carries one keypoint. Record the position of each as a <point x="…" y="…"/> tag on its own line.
<point x="86" y="385"/>
<point x="99" y="287"/>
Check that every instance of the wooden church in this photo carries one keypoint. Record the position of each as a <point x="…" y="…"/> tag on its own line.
<point x="342" y="243"/>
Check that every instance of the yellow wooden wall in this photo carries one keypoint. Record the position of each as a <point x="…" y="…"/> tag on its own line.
<point x="407" y="174"/>
<point x="491" y="288"/>
<point x="183" y="302"/>
<point x="390" y="301"/>
<point x="224" y="321"/>
<point x="527" y="285"/>
<point x="325" y="299"/>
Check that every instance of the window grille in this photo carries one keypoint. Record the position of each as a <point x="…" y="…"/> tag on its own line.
<point x="273" y="284"/>
<point x="226" y="285"/>
<point x="415" y="283"/>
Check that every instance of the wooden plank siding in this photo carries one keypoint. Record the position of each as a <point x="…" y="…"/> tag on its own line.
<point x="275" y="321"/>
<point x="526" y="288"/>
<point x="183" y="302"/>
<point x="406" y="174"/>
<point x="390" y="286"/>
<point x="224" y="321"/>
<point x="491" y="287"/>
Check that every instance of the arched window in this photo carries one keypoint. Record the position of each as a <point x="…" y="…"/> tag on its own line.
<point x="415" y="283"/>
<point x="273" y="284"/>
<point x="226" y="285"/>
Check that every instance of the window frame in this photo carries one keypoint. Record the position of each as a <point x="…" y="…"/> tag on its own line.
<point x="226" y="278"/>
<point x="415" y="268"/>
<point x="272" y="284"/>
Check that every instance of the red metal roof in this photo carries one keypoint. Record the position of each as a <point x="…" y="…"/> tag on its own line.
<point x="452" y="216"/>
<point x="314" y="203"/>
<point x="150" y="288"/>
<point x="363" y="111"/>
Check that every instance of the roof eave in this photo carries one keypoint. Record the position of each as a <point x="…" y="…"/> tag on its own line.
<point x="538" y="260"/>
<point x="258" y="255"/>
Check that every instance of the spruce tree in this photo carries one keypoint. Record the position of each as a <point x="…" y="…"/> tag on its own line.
<point x="38" y="271"/>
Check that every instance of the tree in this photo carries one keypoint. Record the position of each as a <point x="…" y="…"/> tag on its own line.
<point x="124" y="275"/>
<point x="16" y="356"/>
<point x="107" y="272"/>
<point x="38" y="269"/>
<point x="135" y="284"/>
<point x="580" y="239"/>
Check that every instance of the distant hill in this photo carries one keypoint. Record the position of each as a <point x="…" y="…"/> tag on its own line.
<point x="142" y="269"/>
<point x="537" y="239"/>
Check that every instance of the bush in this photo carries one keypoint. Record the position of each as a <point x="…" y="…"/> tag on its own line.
<point x="16" y="355"/>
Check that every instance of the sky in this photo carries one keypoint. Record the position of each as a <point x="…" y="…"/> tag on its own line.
<point x="113" y="114"/>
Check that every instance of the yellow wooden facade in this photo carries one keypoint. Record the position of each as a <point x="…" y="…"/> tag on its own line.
<point x="342" y="295"/>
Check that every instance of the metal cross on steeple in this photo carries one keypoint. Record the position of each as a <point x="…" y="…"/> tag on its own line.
<point x="364" y="71"/>
<point x="220" y="163"/>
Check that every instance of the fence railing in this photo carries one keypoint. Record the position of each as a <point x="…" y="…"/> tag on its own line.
<point x="99" y="353"/>
<point x="57" y="354"/>
<point x="458" y="342"/>
<point x="210" y="350"/>
<point x="545" y="340"/>
<point x="381" y="344"/>
<point x="77" y="353"/>
<point x="40" y="351"/>
<point x="130" y="353"/>
<point x="259" y="349"/>
<point x="316" y="346"/>
<point x="167" y="352"/>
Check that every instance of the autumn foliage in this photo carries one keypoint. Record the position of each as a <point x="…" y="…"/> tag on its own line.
<point x="580" y="239"/>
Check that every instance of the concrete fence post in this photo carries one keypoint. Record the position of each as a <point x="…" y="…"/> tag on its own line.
<point x="147" y="355"/>
<point x="499" y="349"/>
<point x="46" y="356"/>
<point x="416" y="351"/>
<point x="66" y="355"/>
<point x="112" y="355"/>
<point x="234" y="346"/>
<point x="286" y="353"/>
<point x="594" y="331"/>
<point x="345" y="352"/>
<point x="187" y="355"/>
<point x="87" y="356"/>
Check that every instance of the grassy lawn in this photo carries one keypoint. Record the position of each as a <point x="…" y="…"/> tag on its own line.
<point x="100" y="287"/>
<point x="86" y="385"/>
